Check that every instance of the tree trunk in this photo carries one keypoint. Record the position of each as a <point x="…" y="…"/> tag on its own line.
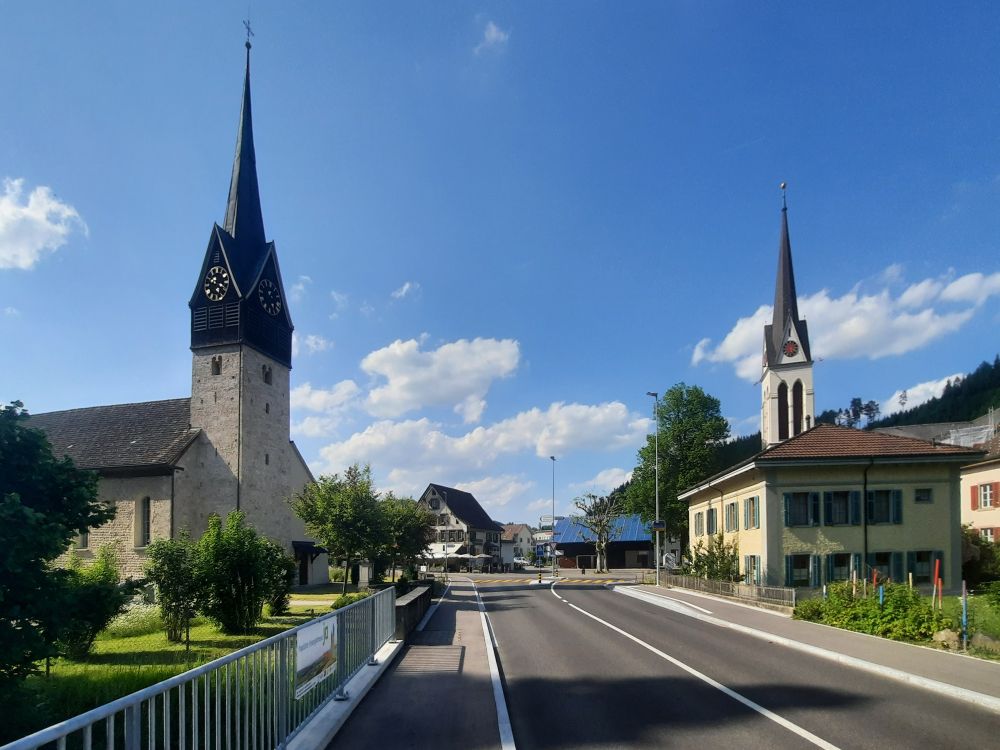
<point x="347" y="573"/>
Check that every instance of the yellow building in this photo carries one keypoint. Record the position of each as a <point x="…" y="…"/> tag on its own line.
<point x="822" y="501"/>
<point x="981" y="494"/>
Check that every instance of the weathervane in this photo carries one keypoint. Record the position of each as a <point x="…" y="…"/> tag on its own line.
<point x="784" y="204"/>
<point x="246" y="25"/>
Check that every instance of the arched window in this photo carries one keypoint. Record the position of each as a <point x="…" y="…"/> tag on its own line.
<point x="782" y="412"/>
<point x="217" y="365"/>
<point x="797" y="407"/>
<point x="266" y="372"/>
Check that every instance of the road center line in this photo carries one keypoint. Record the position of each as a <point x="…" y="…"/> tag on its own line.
<point x="781" y="721"/>
<point x="503" y="718"/>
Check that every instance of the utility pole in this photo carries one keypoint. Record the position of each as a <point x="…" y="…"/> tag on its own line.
<point x="656" y="479"/>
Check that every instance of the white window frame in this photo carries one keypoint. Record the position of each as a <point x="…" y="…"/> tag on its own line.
<point x="987" y="534"/>
<point x="986" y="495"/>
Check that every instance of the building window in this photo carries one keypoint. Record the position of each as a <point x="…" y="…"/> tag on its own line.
<point x="83" y="541"/>
<point x="923" y="495"/>
<point x="460" y="535"/>
<point x="797" y="407"/>
<point x="267" y="408"/>
<point x="267" y="459"/>
<point x="216" y="365"/>
<point x="751" y="513"/>
<point x="732" y="517"/>
<point x="839" y="566"/>
<point x="782" y="412"/>
<point x="442" y="520"/>
<point x="751" y="569"/>
<point x="435" y="503"/>
<point x="699" y="524"/>
<point x="451" y="536"/>
<point x="712" y="520"/>
<point x="985" y="495"/>
<point x="885" y="506"/>
<point x="799" y="570"/>
<point x="143" y="522"/>
<point x="442" y="536"/>
<point x="266" y="373"/>
<point x="987" y="534"/>
<point x="922" y="566"/>
<point x="882" y="562"/>
<point x="841" y="508"/>
<point x="801" y="509"/>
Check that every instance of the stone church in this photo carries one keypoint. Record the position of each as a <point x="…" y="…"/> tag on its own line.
<point x="168" y="465"/>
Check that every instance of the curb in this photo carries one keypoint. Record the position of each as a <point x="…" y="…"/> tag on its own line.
<point x="983" y="700"/>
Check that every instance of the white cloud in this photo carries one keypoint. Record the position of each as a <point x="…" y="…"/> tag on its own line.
<point x="12" y="312"/>
<point x="315" y="343"/>
<point x="340" y="301"/>
<point x="457" y="374"/>
<point x="30" y="229"/>
<point x="540" y="504"/>
<point x="857" y="324"/>
<point x="494" y="38"/>
<point x="366" y="309"/>
<point x="496" y="492"/>
<point x="420" y="448"/>
<point x="315" y="427"/>
<point x="916" y="394"/>
<point x="298" y="292"/>
<point x="605" y="481"/>
<point x="973" y="287"/>
<point x="410" y="287"/>
<point x="328" y="400"/>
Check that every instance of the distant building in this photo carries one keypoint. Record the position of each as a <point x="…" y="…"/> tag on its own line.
<point x="520" y="537"/>
<point x="630" y="545"/>
<point x="461" y="525"/>
<point x="822" y="502"/>
<point x="167" y="465"/>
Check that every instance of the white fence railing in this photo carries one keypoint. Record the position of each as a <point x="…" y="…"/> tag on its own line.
<point x="782" y="596"/>
<point x="243" y="700"/>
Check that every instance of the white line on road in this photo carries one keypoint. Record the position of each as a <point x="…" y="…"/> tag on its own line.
<point x="503" y="718"/>
<point x="781" y="721"/>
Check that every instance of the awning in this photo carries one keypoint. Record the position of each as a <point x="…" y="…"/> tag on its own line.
<point x="301" y="549"/>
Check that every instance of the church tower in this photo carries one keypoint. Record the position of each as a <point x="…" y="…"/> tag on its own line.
<point x="787" y="404"/>
<point x="241" y="340"/>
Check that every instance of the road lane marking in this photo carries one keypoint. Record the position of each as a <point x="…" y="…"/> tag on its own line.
<point x="781" y="721"/>
<point x="649" y="596"/>
<point x="433" y="608"/>
<point x="503" y="717"/>
<point x="983" y="700"/>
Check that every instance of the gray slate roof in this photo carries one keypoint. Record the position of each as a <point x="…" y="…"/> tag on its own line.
<point x="149" y="435"/>
<point x="465" y="506"/>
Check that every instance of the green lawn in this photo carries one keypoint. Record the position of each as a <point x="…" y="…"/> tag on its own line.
<point x="983" y="618"/>
<point x="118" y="666"/>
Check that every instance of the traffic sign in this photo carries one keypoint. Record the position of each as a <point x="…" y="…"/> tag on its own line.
<point x="659" y="525"/>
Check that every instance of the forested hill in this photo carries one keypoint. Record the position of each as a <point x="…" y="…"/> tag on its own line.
<point x="963" y="400"/>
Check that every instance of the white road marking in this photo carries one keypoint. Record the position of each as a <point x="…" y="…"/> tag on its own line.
<point x="649" y="596"/>
<point x="503" y="718"/>
<point x="781" y="721"/>
<point x="433" y="608"/>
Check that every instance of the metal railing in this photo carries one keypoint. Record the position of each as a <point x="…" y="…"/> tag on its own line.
<point x="246" y="699"/>
<point x="782" y="596"/>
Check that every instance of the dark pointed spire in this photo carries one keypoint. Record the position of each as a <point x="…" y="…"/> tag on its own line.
<point x="244" y="219"/>
<point x="785" y="318"/>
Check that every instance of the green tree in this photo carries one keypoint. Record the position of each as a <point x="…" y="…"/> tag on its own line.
<point x="718" y="560"/>
<point x="93" y="595"/>
<point x="691" y="430"/>
<point x="598" y="516"/>
<point x="980" y="558"/>
<point x="409" y="529"/>
<point x="172" y="568"/>
<point x="235" y="567"/>
<point x="44" y="504"/>
<point x="343" y="514"/>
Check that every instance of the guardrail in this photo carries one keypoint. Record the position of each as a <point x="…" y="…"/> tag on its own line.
<point x="782" y="596"/>
<point x="246" y="699"/>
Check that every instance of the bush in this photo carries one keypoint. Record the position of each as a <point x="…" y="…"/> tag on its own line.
<point x="172" y="567"/>
<point x="992" y="593"/>
<point x="336" y="574"/>
<point x="93" y="597"/>
<point x="344" y="599"/>
<point x="810" y="610"/>
<point x="281" y="578"/>
<point x="138" y="618"/>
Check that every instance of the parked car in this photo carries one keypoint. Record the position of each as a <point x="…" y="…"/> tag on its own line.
<point x="521" y="561"/>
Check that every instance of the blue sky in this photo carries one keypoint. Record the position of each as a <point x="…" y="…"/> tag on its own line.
<point x="500" y="224"/>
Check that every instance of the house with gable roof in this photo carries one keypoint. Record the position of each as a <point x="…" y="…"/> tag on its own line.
<point x="461" y="525"/>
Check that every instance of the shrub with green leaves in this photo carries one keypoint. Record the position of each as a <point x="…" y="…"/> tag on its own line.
<point x="172" y="567"/>
<point x="138" y="618"/>
<point x="281" y="578"/>
<point x="344" y="599"/>
<point x="93" y="596"/>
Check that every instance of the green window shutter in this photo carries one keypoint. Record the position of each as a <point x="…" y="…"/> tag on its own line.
<point x="746" y="568"/>
<point x="897" y="506"/>
<point x="788" y="571"/>
<point x="788" y="502"/>
<point x="897" y="567"/>
<point x="814" y="508"/>
<point x="828" y="508"/>
<point x="829" y="568"/>
<point x="814" y="563"/>
<point x="756" y="512"/>
<point x="746" y="513"/>
<point x="911" y="562"/>
<point x="855" y="507"/>
<point x="758" y="573"/>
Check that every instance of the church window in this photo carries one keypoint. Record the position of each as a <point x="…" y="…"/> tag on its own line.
<point x="797" y="407"/>
<point x="267" y="408"/>
<point x="782" y="412"/>
<point x="83" y="542"/>
<point x="267" y="459"/>
<point x="266" y="372"/>
<point x="216" y="365"/>
<point x="143" y="522"/>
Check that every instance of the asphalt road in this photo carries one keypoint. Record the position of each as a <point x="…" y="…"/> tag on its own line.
<point x="574" y="682"/>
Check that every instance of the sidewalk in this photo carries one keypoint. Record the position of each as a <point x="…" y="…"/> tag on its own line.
<point x="964" y="673"/>
<point x="456" y="708"/>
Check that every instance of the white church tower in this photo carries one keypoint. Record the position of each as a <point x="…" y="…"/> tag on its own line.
<point x="787" y="403"/>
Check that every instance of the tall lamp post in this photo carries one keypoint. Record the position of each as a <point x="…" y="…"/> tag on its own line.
<point x="552" y="537"/>
<point x="656" y="478"/>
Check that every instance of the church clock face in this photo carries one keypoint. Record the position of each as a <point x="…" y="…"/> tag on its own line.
<point x="791" y="348"/>
<point x="216" y="283"/>
<point x="269" y="296"/>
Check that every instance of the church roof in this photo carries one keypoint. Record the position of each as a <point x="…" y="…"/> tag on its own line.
<point x="465" y="506"/>
<point x="786" y="304"/>
<point x="244" y="219"/>
<point x="151" y="435"/>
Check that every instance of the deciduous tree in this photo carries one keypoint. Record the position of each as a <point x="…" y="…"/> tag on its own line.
<point x="598" y="516"/>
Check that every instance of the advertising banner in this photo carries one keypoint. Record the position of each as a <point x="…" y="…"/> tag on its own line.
<point x="315" y="655"/>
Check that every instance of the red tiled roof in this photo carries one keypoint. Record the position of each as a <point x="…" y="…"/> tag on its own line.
<point x="510" y="529"/>
<point x="833" y="441"/>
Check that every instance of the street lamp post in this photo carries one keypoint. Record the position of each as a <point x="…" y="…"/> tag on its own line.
<point x="656" y="478"/>
<point x="552" y="537"/>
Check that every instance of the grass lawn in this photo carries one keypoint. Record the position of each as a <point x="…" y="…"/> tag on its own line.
<point x="983" y="618"/>
<point x="118" y="666"/>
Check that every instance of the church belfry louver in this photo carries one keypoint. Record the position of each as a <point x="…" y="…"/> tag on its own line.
<point x="787" y="403"/>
